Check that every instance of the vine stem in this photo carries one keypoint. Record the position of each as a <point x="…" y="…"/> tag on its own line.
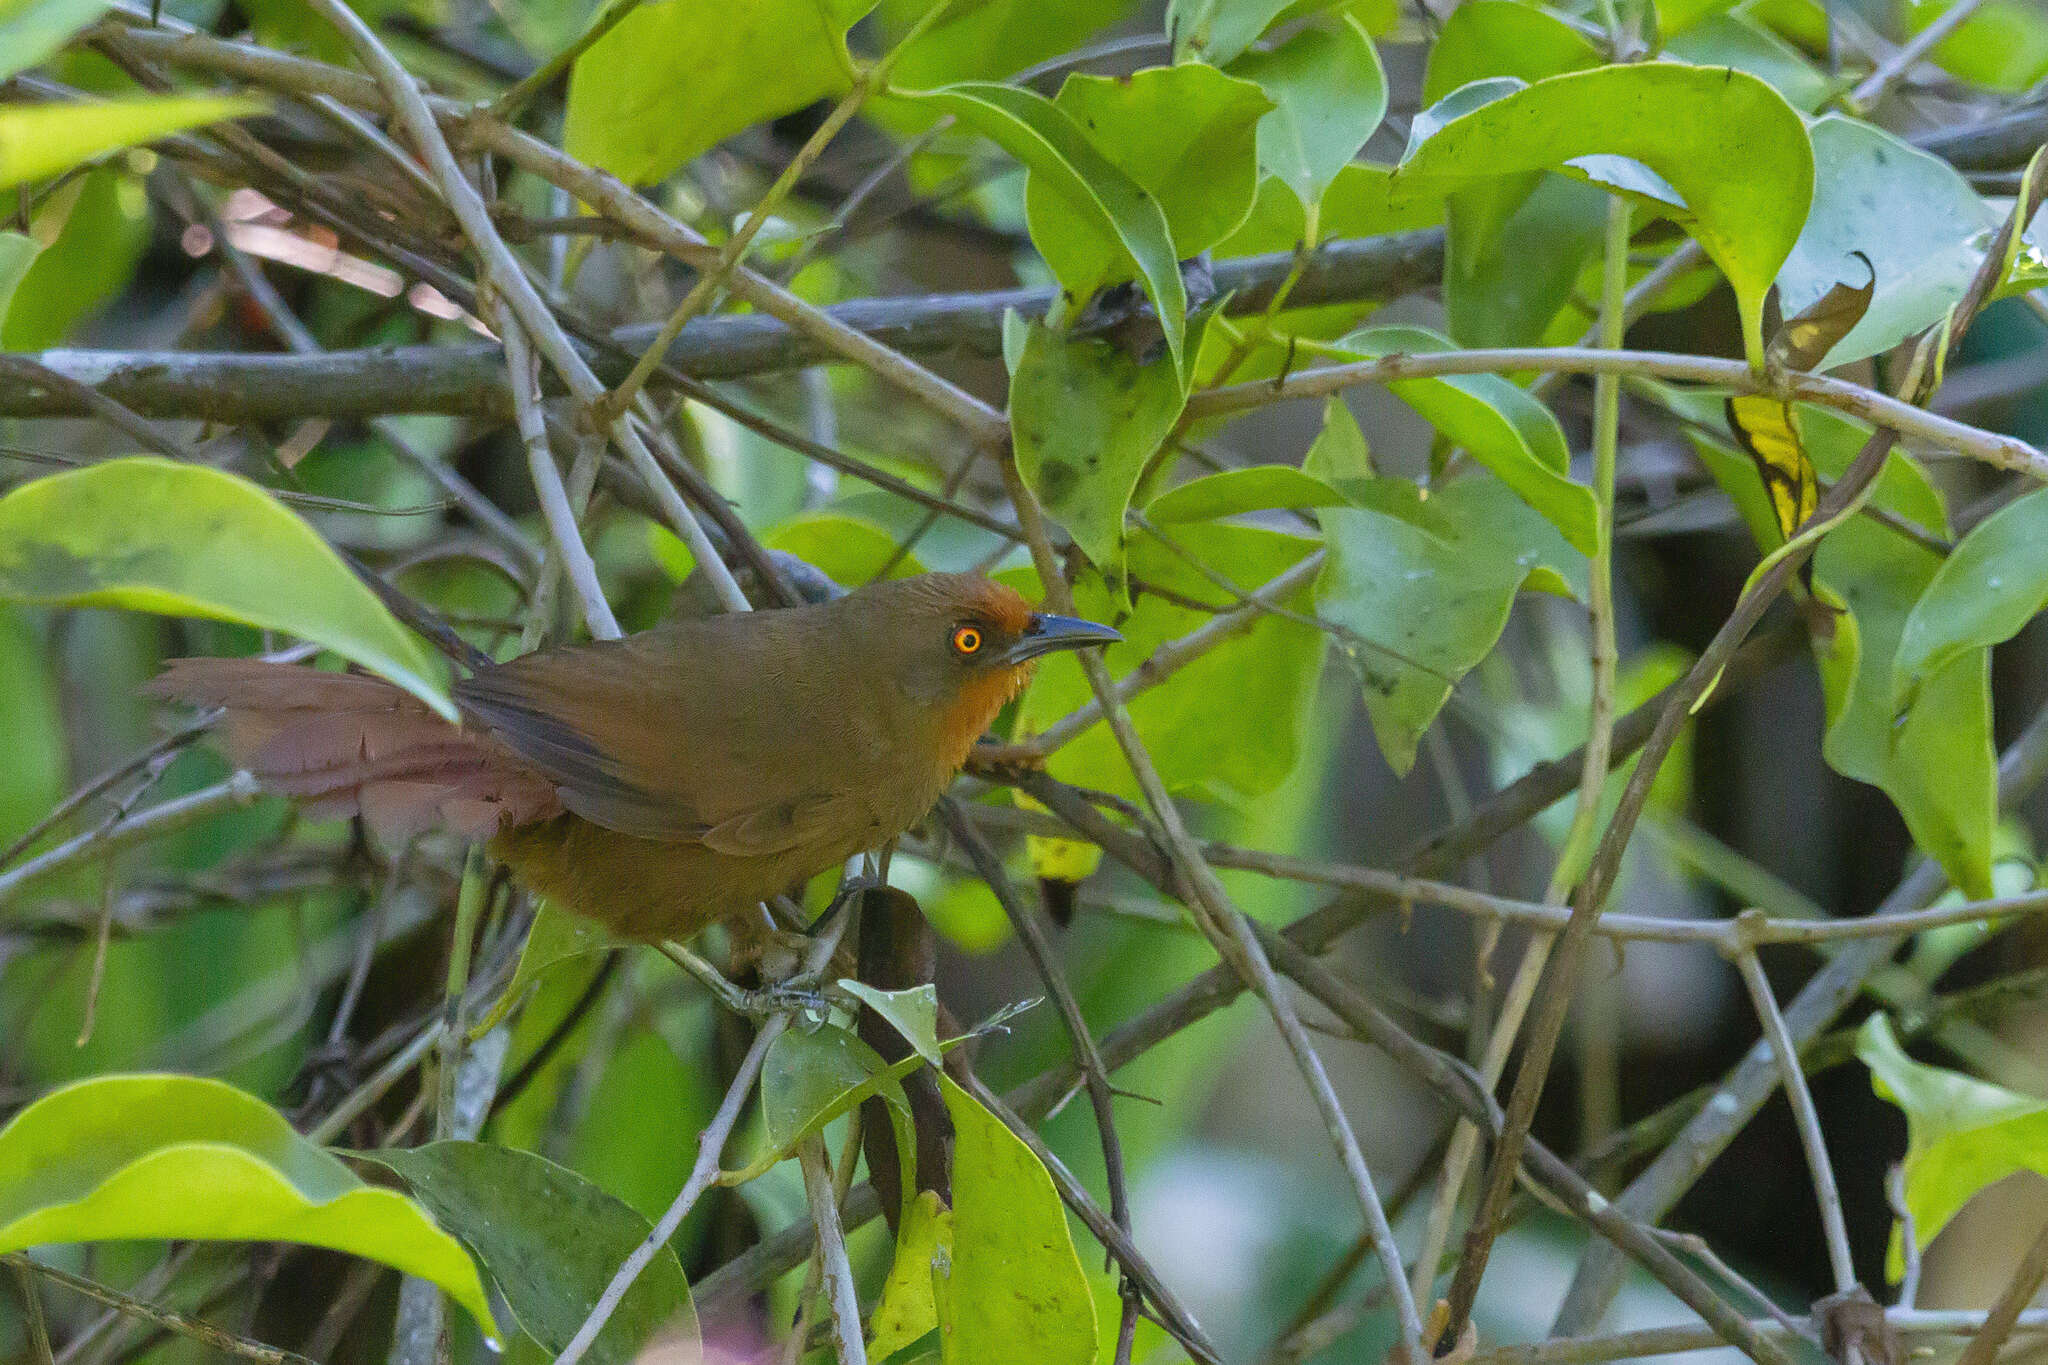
<point x="1226" y="926"/>
<point x="1595" y="755"/>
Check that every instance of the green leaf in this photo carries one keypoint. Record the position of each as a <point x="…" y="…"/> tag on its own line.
<point x="1483" y="39"/>
<point x="551" y="1240"/>
<point x="1230" y="725"/>
<point x="31" y="30"/>
<point x="17" y="254"/>
<point x="1513" y="252"/>
<point x="92" y="1161"/>
<point x="1363" y="201"/>
<point x="908" y="1309"/>
<point x="1340" y="455"/>
<point x="1935" y="761"/>
<point x="1724" y="140"/>
<point x="1254" y="488"/>
<point x="676" y="78"/>
<point x="40" y="140"/>
<point x="1736" y="42"/>
<point x="989" y="39"/>
<point x="1014" y="1288"/>
<point x="1506" y="430"/>
<point x="96" y="228"/>
<point x="1123" y="223"/>
<point x="1991" y="585"/>
<point x="1920" y="224"/>
<point x="810" y="1078"/>
<point x="914" y="1013"/>
<point x="32" y="716"/>
<point x="1329" y="94"/>
<point x="1085" y="418"/>
<point x="555" y="937"/>
<point x="1217" y="30"/>
<point x="1430" y="581"/>
<point x="1962" y="1134"/>
<point x="1186" y="134"/>
<point x="2003" y="46"/>
<point x="150" y="534"/>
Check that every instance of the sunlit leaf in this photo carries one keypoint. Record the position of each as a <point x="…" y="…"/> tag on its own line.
<point x="1364" y="200"/>
<point x="1962" y="1134"/>
<point x="1329" y="94"/>
<point x="151" y="534"/>
<point x="551" y="1240"/>
<point x="913" y="1012"/>
<point x="1506" y="430"/>
<point x="1724" y="140"/>
<point x="1252" y="488"/>
<point x="978" y="40"/>
<point x="907" y="1310"/>
<point x="91" y="1162"/>
<point x="2002" y="46"/>
<point x="1014" y="1288"/>
<point x="1085" y="418"/>
<point x="38" y="140"/>
<point x="1230" y="724"/>
<point x="1123" y="222"/>
<point x="675" y="78"/>
<point x="1186" y="134"/>
<point x="1736" y="42"/>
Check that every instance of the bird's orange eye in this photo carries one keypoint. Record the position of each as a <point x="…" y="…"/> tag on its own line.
<point x="967" y="640"/>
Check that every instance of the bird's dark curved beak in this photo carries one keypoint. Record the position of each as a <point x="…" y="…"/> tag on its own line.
<point x="1046" y="634"/>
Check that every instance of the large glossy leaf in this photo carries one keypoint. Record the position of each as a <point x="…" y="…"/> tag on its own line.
<point x="1230" y="724"/>
<point x="1962" y="1134"/>
<point x="1186" y="134"/>
<point x="1425" y="585"/>
<point x="1084" y="418"/>
<point x="1329" y="94"/>
<point x="1723" y="140"/>
<point x="551" y="1240"/>
<point x="93" y="1162"/>
<point x="1124" y="224"/>
<point x="38" y="140"/>
<point x="31" y="30"/>
<point x="1991" y="584"/>
<point x="676" y="77"/>
<point x="1014" y="1288"/>
<point x="1916" y="220"/>
<point x="151" y="534"/>
<point x="1509" y="432"/>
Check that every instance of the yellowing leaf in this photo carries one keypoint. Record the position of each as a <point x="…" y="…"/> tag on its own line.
<point x="1767" y="428"/>
<point x="907" y="1310"/>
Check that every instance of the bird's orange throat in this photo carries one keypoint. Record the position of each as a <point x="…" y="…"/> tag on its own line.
<point x="976" y="707"/>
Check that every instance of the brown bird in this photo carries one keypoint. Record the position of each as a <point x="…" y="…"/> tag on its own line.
<point x="673" y="778"/>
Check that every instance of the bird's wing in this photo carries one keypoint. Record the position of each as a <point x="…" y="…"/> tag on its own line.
<point x="550" y="716"/>
<point x="784" y="825"/>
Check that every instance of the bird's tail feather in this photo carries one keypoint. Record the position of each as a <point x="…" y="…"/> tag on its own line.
<point x="349" y="744"/>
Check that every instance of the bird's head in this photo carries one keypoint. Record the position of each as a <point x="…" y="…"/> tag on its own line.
<point x="966" y="645"/>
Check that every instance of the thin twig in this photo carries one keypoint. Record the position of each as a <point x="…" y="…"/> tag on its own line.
<point x="169" y="1319"/>
<point x="1805" y="1117"/>
<point x="1870" y="92"/>
<point x="2026" y="1280"/>
<point x="840" y="1295"/>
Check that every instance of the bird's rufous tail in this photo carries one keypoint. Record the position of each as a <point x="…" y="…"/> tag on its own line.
<point x="347" y="744"/>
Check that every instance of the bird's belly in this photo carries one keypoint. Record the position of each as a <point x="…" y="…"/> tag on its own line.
<point x="650" y="890"/>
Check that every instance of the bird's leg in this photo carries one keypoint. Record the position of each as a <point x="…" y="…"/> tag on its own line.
<point x="776" y="998"/>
